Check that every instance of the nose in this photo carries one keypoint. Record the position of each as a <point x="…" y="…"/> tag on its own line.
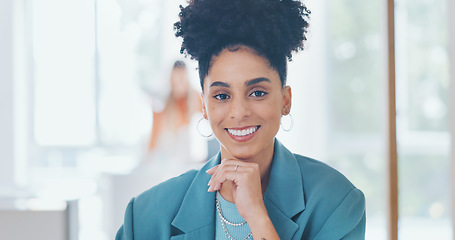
<point x="239" y="109"/>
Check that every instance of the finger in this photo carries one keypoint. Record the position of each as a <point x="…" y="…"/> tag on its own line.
<point x="212" y="170"/>
<point x="217" y="179"/>
<point x="215" y="186"/>
<point x="233" y="176"/>
<point x="226" y="164"/>
<point x="228" y="172"/>
<point x="229" y="160"/>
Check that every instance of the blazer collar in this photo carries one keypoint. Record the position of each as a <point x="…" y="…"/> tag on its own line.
<point x="196" y="216"/>
<point x="284" y="198"/>
<point x="285" y="189"/>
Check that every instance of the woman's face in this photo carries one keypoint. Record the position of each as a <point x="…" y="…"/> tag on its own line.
<point x="179" y="83"/>
<point x="243" y="101"/>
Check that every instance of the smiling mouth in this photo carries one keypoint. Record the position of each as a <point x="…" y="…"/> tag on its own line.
<point x="242" y="132"/>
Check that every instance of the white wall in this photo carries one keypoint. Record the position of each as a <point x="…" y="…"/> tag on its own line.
<point x="451" y="10"/>
<point x="6" y="95"/>
<point x="13" y="97"/>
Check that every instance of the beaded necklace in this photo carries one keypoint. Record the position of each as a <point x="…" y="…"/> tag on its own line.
<point x="224" y="221"/>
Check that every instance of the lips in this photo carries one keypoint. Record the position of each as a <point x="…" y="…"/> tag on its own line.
<point x="242" y="134"/>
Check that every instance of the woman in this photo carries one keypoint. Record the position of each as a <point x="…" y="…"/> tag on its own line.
<point x="256" y="187"/>
<point x="170" y="124"/>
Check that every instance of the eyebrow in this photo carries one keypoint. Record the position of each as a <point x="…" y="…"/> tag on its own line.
<point x="220" y="84"/>
<point x="256" y="80"/>
<point x="247" y="83"/>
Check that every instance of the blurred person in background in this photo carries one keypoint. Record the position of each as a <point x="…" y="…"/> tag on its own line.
<point x="170" y="122"/>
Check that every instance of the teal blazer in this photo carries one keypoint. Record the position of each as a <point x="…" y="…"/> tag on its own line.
<point x="305" y="199"/>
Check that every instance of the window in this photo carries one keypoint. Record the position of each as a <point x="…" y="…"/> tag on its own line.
<point x="422" y="119"/>
<point x="63" y="54"/>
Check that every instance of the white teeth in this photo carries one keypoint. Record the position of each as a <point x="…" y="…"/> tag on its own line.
<point x="243" y="132"/>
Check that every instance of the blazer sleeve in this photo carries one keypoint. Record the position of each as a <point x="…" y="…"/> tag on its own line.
<point x="126" y="230"/>
<point x="347" y="221"/>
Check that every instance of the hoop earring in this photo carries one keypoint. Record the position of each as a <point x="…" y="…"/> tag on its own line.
<point x="291" y="124"/>
<point x="199" y="131"/>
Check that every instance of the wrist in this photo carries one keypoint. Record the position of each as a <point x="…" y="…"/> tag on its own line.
<point x="263" y="228"/>
<point x="260" y="217"/>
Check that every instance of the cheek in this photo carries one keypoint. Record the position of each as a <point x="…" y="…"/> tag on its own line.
<point x="269" y="109"/>
<point x="274" y="117"/>
<point x="215" y="112"/>
<point x="216" y="116"/>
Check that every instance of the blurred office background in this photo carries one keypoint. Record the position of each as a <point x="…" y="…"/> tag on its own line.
<point x="78" y="80"/>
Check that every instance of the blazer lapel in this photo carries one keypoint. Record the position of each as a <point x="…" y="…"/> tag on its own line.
<point x="284" y="197"/>
<point x="196" y="216"/>
<point x="207" y="232"/>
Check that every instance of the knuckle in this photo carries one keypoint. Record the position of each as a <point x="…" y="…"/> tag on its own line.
<point x="254" y="167"/>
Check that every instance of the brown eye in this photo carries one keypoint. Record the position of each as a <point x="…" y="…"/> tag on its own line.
<point x="258" y="94"/>
<point x="221" y="96"/>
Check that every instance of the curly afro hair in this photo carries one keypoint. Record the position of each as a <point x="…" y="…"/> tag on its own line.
<point x="273" y="28"/>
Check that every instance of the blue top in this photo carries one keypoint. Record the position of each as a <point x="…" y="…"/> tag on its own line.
<point x="231" y="214"/>
<point x="305" y="199"/>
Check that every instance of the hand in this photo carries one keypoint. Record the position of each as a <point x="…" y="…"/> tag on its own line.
<point x="246" y="186"/>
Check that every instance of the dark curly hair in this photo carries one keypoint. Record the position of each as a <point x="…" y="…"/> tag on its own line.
<point x="273" y="28"/>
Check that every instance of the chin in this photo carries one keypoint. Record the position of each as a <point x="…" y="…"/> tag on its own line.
<point x="242" y="156"/>
<point x="241" y="153"/>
